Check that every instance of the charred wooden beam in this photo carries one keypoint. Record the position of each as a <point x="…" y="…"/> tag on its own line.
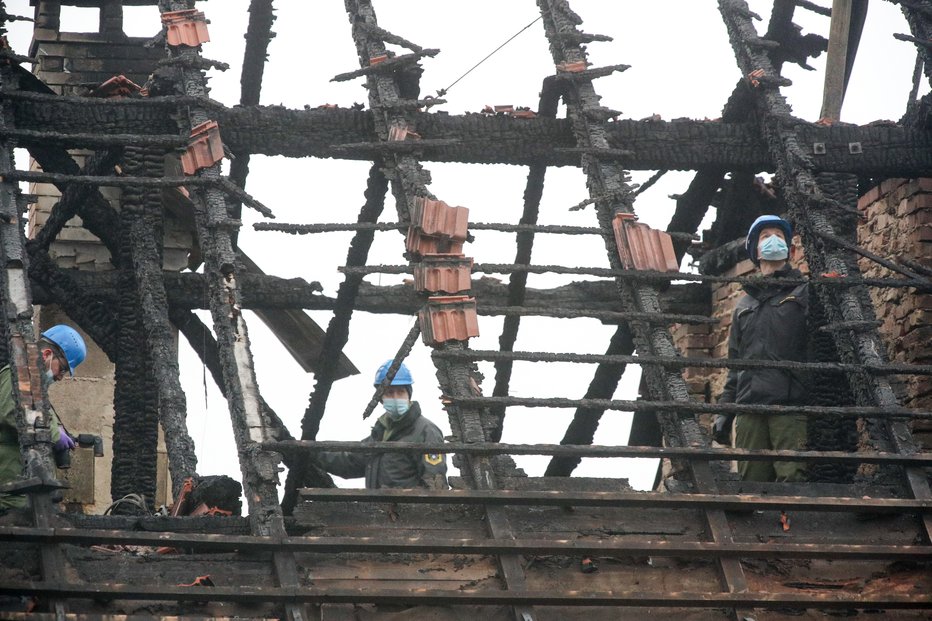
<point x="589" y="450"/>
<point x="585" y="423"/>
<point x="258" y="36"/>
<point x="204" y="345"/>
<point x="919" y="18"/>
<point x="141" y="214"/>
<point x="465" y="545"/>
<point x="517" y="282"/>
<point x="886" y="150"/>
<point x="449" y="597"/>
<point x="338" y="330"/>
<point x="215" y="232"/>
<point x="30" y="412"/>
<point x="818" y="209"/>
<point x="187" y="291"/>
<point x="607" y="182"/>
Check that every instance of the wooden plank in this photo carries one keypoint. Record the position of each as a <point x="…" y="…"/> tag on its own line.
<point x="710" y="500"/>
<point x="822" y="599"/>
<point x="434" y="567"/>
<point x="833" y="93"/>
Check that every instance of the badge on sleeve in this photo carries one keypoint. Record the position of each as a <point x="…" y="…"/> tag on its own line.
<point x="433" y="458"/>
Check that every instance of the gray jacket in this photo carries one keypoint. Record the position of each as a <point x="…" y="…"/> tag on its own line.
<point x="402" y="469"/>
<point x="769" y="323"/>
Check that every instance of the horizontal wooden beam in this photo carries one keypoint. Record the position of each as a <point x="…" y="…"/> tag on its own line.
<point x="187" y="290"/>
<point x="876" y="151"/>
<point x="652" y="500"/>
<point x="446" y="545"/>
<point x="832" y="599"/>
<point x="566" y="450"/>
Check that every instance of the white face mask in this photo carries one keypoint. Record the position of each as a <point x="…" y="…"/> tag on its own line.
<point x="49" y="376"/>
<point x="396" y="408"/>
<point x="773" y="249"/>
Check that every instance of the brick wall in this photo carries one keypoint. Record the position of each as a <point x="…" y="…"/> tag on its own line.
<point x="898" y="223"/>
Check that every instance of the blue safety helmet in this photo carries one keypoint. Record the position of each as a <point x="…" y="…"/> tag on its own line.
<point x="763" y="222"/>
<point x="69" y="342"/>
<point x="402" y="377"/>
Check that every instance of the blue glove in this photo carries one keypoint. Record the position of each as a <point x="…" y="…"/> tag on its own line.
<point x="65" y="443"/>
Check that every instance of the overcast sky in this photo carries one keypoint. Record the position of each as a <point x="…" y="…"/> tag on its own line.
<point x="681" y="66"/>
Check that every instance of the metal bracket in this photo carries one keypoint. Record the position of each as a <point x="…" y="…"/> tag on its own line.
<point x="818" y="148"/>
<point x="854" y="148"/>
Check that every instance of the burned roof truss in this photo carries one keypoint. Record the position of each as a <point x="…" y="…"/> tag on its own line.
<point x="481" y="526"/>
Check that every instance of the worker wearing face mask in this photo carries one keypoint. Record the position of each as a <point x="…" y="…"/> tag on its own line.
<point x="401" y="422"/>
<point x="769" y="323"/>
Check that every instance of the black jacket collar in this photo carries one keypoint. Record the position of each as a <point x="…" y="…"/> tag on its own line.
<point x="406" y="422"/>
<point x="764" y="288"/>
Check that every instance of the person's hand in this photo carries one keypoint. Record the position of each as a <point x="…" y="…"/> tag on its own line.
<point x="65" y="443"/>
<point x="721" y="428"/>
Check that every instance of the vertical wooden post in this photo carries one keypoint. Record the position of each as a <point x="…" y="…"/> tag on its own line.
<point x="833" y="94"/>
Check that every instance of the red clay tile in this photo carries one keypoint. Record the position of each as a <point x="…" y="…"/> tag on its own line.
<point x="572" y="67"/>
<point x="397" y="133"/>
<point x="641" y="247"/>
<point x="374" y="60"/>
<point x="443" y="273"/>
<point x="205" y="148"/>
<point x="117" y="86"/>
<point x="449" y="318"/>
<point x="437" y="219"/>
<point x="188" y="27"/>
<point x="420" y="245"/>
<point x="504" y="109"/>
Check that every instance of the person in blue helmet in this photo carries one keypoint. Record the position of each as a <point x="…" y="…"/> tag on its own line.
<point x="402" y="421"/>
<point x="769" y="323"/>
<point x="62" y="350"/>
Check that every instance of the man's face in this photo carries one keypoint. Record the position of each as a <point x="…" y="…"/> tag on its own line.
<point x="395" y="392"/>
<point x="55" y="364"/>
<point x="767" y="232"/>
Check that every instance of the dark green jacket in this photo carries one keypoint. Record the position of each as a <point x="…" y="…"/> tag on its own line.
<point x="769" y="323"/>
<point x="402" y="469"/>
<point x="11" y="461"/>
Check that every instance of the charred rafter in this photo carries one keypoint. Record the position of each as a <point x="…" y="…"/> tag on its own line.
<point x="409" y="181"/>
<point x="258" y="36"/>
<point x="517" y="282"/>
<point x="608" y="179"/>
<point x="338" y="330"/>
<point x="815" y="209"/>
<point x="141" y="214"/>
<point x="215" y="232"/>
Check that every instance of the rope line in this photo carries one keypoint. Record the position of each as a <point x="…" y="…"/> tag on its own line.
<point x="444" y="91"/>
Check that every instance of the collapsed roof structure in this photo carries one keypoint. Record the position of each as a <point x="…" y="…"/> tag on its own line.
<point x="702" y="546"/>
